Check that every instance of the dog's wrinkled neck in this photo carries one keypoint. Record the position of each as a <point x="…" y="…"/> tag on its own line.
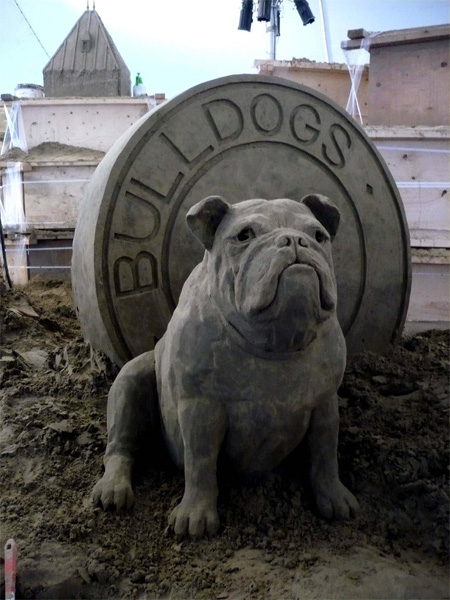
<point x="265" y="344"/>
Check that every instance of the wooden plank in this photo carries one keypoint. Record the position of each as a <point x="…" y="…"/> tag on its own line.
<point x="53" y="210"/>
<point x="402" y="36"/>
<point x="406" y="132"/>
<point x="50" y="258"/>
<point x="357" y="34"/>
<point x="53" y="195"/>
<point x="437" y="256"/>
<point x="16" y="257"/>
<point x="428" y="216"/>
<point x="297" y="64"/>
<point x="409" y="84"/>
<point x="430" y="300"/>
<point x="94" y="125"/>
<point x="417" y="160"/>
<point x="427" y="239"/>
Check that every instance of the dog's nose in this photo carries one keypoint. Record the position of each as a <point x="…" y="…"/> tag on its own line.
<point x="288" y="240"/>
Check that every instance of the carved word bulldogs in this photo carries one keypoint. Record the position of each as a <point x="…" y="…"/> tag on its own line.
<point x="302" y="126"/>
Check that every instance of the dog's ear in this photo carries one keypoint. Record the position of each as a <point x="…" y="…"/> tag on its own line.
<point x="204" y="218"/>
<point x="324" y="211"/>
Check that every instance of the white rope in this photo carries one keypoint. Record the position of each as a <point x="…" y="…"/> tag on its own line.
<point x="356" y="61"/>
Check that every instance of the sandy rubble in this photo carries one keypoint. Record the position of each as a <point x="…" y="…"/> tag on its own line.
<point x="393" y="455"/>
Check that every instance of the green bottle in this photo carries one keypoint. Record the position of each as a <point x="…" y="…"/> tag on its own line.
<point x="139" y="89"/>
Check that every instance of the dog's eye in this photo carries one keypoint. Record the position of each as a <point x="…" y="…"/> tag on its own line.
<point x="245" y="235"/>
<point x="320" y="236"/>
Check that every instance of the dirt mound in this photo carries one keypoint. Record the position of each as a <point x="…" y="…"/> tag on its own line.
<point x="52" y="151"/>
<point x="393" y="455"/>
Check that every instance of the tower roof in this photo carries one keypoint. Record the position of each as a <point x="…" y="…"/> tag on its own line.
<point x="87" y="50"/>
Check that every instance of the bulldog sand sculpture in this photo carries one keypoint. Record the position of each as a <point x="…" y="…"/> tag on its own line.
<point x="249" y="365"/>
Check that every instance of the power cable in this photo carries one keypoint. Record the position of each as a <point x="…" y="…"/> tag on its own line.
<point x="29" y="25"/>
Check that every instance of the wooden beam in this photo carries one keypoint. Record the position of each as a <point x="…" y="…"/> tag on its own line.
<point x="357" y="34"/>
<point x="400" y="36"/>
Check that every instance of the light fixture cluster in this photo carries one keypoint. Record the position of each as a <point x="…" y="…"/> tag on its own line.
<point x="269" y="11"/>
<point x="246" y="16"/>
<point x="304" y="11"/>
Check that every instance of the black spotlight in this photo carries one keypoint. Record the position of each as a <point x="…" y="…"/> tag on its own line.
<point x="304" y="11"/>
<point x="246" y="16"/>
<point x="264" y="9"/>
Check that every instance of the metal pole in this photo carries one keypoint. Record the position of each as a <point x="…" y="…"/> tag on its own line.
<point x="273" y="33"/>
<point x="324" y="32"/>
<point x="273" y="28"/>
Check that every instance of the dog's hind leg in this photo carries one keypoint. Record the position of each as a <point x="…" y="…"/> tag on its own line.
<point x="132" y="414"/>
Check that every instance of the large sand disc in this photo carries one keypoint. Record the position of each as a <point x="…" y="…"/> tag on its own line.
<point x="246" y="136"/>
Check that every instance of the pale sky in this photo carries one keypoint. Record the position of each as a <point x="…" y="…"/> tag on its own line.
<point x="176" y="44"/>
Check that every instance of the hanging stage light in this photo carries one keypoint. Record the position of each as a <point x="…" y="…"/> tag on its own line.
<point x="246" y="16"/>
<point x="304" y="11"/>
<point x="264" y="9"/>
<point x="269" y="11"/>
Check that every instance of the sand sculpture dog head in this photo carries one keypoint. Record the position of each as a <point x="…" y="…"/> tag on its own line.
<point x="249" y="365"/>
<point x="269" y="266"/>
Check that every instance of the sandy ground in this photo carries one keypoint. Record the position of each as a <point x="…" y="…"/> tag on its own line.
<point x="393" y="454"/>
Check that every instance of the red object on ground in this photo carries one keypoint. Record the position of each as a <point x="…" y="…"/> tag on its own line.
<point x="10" y="569"/>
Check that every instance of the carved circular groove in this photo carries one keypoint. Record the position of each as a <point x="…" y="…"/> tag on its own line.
<point x="240" y="137"/>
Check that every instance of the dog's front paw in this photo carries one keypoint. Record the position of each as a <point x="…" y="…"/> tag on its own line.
<point x="114" y="489"/>
<point x="196" y="518"/>
<point x="335" y="501"/>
